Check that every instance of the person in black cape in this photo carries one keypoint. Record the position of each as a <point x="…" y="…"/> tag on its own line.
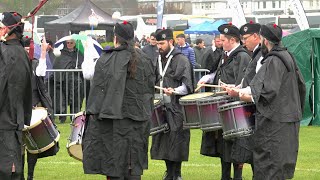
<point x="231" y="70"/>
<point x="172" y="146"/>
<point x="119" y="110"/>
<point x="40" y="98"/>
<point x="278" y="92"/>
<point x="15" y="95"/>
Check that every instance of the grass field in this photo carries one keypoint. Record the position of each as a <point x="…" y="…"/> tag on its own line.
<point x="63" y="167"/>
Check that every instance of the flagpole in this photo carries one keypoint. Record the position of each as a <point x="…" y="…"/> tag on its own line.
<point x="160" y="10"/>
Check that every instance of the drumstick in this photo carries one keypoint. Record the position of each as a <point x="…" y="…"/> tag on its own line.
<point x="157" y="87"/>
<point x="221" y="92"/>
<point x="198" y="88"/>
<point x="209" y="85"/>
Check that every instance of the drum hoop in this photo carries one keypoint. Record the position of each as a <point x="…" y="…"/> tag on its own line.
<point x="33" y="125"/>
<point x="44" y="148"/>
<point x="70" y="154"/>
<point x="233" y="105"/>
<point x="208" y="94"/>
<point x="79" y="114"/>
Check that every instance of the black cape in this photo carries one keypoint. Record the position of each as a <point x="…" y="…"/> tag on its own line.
<point x="174" y="145"/>
<point x="15" y="104"/>
<point x="276" y="95"/>
<point x="211" y="59"/>
<point x="251" y="69"/>
<point x="119" y="111"/>
<point x="15" y="86"/>
<point x="233" y="69"/>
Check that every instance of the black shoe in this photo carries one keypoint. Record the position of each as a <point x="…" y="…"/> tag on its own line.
<point x="166" y="177"/>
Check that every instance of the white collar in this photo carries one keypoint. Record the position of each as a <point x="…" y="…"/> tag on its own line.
<point x="255" y="48"/>
<point x="167" y="56"/>
<point x="229" y="52"/>
<point x="213" y="48"/>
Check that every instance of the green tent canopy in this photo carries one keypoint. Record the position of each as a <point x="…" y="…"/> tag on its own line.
<point x="305" y="47"/>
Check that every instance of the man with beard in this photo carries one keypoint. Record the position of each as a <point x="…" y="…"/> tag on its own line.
<point x="119" y="108"/>
<point x="176" y="76"/>
<point x="230" y="70"/>
<point x="275" y="90"/>
<point x="251" y="39"/>
<point x="15" y="95"/>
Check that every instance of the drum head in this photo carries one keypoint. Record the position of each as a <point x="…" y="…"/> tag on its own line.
<point x="75" y="151"/>
<point x="38" y="114"/>
<point x="197" y="96"/>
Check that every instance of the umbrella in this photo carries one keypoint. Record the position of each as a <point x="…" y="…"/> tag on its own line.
<point x="80" y="41"/>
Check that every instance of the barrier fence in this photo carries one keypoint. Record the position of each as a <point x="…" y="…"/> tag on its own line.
<point x="68" y="90"/>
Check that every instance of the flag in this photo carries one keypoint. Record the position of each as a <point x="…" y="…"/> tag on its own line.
<point x="299" y="14"/>
<point x="238" y="18"/>
<point x="160" y="9"/>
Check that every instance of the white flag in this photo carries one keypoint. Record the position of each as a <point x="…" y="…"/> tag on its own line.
<point x="238" y="18"/>
<point x="299" y="14"/>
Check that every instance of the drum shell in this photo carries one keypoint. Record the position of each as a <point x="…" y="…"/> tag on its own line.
<point x="209" y="115"/>
<point x="74" y="145"/>
<point x="190" y="109"/>
<point x="158" y="121"/>
<point x="237" y="119"/>
<point x="40" y="136"/>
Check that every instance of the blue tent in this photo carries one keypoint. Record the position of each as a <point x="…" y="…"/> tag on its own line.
<point x="205" y="28"/>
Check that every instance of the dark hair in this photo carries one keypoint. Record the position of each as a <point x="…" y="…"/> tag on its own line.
<point x="153" y="34"/>
<point x="130" y="44"/>
<point x="199" y="41"/>
<point x="229" y="37"/>
<point x="180" y="36"/>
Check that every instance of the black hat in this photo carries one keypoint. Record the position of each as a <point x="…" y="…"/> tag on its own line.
<point x="164" y="34"/>
<point x="272" y="32"/>
<point x="229" y="29"/>
<point x="11" y="19"/>
<point x="250" y="28"/>
<point x="124" y="30"/>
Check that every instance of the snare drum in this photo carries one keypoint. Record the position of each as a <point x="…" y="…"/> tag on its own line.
<point x="41" y="135"/>
<point x="74" y="145"/>
<point x="190" y="109"/>
<point x="237" y="118"/>
<point x="209" y="115"/>
<point x="158" y="122"/>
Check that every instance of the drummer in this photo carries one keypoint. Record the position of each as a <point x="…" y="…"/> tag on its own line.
<point x="230" y="70"/>
<point x="15" y="95"/>
<point x="40" y="98"/>
<point x="251" y="40"/>
<point x="177" y="76"/>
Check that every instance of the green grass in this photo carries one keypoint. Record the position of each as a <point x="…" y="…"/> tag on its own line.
<point x="199" y="167"/>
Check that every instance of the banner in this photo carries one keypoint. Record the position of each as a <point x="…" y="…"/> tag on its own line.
<point x="299" y="14"/>
<point x="160" y="9"/>
<point x="238" y="18"/>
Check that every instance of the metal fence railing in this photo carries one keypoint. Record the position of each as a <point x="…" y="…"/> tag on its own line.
<point x="68" y="90"/>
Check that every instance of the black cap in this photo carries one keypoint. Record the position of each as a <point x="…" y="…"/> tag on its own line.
<point x="124" y="30"/>
<point x="229" y="29"/>
<point x="164" y="34"/>
<point x="11" y="19"/>
<point x="250" y="28"/>
<point x="271" y="32"/>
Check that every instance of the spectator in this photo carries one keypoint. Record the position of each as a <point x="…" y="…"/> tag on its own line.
<point x="185" y="49"/>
